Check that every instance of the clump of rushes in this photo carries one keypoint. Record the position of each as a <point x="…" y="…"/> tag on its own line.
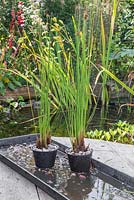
<point x="44" y="112"/>
<point x="74" y="89"/>
<point x="78" y="111"/>
<point x="41" y="56"/>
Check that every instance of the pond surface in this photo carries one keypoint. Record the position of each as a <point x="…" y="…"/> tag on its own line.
<point x="76" y="186"/>
<point x="17" y="123"/>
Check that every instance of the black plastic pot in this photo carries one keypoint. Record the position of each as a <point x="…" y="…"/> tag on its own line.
<point x="80" y="162"/>
<point x="45" y="159"/>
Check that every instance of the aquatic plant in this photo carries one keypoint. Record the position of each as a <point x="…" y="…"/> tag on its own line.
<point x="78" y="60"/>
<point x="74" y="90"/>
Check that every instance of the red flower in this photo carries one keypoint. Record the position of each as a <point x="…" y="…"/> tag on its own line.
<point x="20" y="16"/>
<point x="12" y="21"/>
<point x="13" y="14"/>
<point x="20" y="20"/>
<point x="20" y="3"/>
<point x="10" y="42"/>
<point x="19" y="12"/>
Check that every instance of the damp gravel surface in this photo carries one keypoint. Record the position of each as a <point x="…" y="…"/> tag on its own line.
<point x="76" y="186"/>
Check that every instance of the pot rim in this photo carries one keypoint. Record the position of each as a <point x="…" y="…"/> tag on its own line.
<point x="70" y="151"/>
<point x="35" y="149"/>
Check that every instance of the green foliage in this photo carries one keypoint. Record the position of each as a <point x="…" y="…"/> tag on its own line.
<point x="61" y="9"/>
<point x="123" y="45"/>
<point x="16" y="104"/>
<point x="5" y="18"/>
<point x="8" y="80"/>
<point x="122" y="132"/>
<point x="115" y="78"/>
<point x="56" y="56"/>
<point x="43" y="57"/>
<point x="11" y="105"/>
<point x="123" y="53"/>
<point x="9" y="48"/>
<point x="73" y="91"/>
<point x="124" y="33"/>
<point x="62" y="75"/>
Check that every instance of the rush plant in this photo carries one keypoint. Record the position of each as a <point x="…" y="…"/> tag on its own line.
<point x="74" y="89"/>
<point x="40" y="55"/>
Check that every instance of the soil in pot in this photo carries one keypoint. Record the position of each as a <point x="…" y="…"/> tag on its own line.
<point x="45" y="158"/>
<point x="80" y="162"/>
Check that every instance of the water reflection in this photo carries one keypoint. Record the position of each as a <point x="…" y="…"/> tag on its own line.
<point x="101" y="118"/>
<point x="79" y="186"/>
<point x="105" y="191"/>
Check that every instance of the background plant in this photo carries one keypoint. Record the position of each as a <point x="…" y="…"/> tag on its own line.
<point x="75" y="76"/>
<point x="123" y="45"/>
<point x="11" y="26"/>
<point x="121" y="131"/>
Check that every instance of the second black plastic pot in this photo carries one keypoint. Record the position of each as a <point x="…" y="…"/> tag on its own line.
<point x="80" y="162"/>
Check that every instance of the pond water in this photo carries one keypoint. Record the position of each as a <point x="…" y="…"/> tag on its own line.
<point x="12" y="123"/>
<point x="76" y="186"/>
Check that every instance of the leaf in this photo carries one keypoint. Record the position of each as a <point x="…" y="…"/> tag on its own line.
<point x="127" y="52"/>
<point x="11" y="86"/>
<point x="123" y="53"/>
<point x="113" y="132"/>
<point x="107" y="135"/>
<point x="119" y="131"/>
<point x="118" y="81"/>
<point x="6" y="80"/>
<point x="17" y="83"/>
<point x="1" y="108"/>
<point x="9" y="100"/>
<point x="1" y="84"/>
<point x="14" y="104"/>
<point x="20" y="98"/>
<point x="22" y="104"/>
<point x="2" y="88"/>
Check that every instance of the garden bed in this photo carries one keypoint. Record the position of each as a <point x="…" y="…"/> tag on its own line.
<point x="59" y="182"/>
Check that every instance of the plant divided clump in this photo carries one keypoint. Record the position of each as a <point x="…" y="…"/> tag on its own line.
<point x="77" y="53"/>
<point x="41" y="56"/>
<point x="44" y="141"/>
<point x="74" y="90"/>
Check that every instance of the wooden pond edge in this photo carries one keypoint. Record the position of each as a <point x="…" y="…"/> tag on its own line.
<point x="115" y="96"/>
